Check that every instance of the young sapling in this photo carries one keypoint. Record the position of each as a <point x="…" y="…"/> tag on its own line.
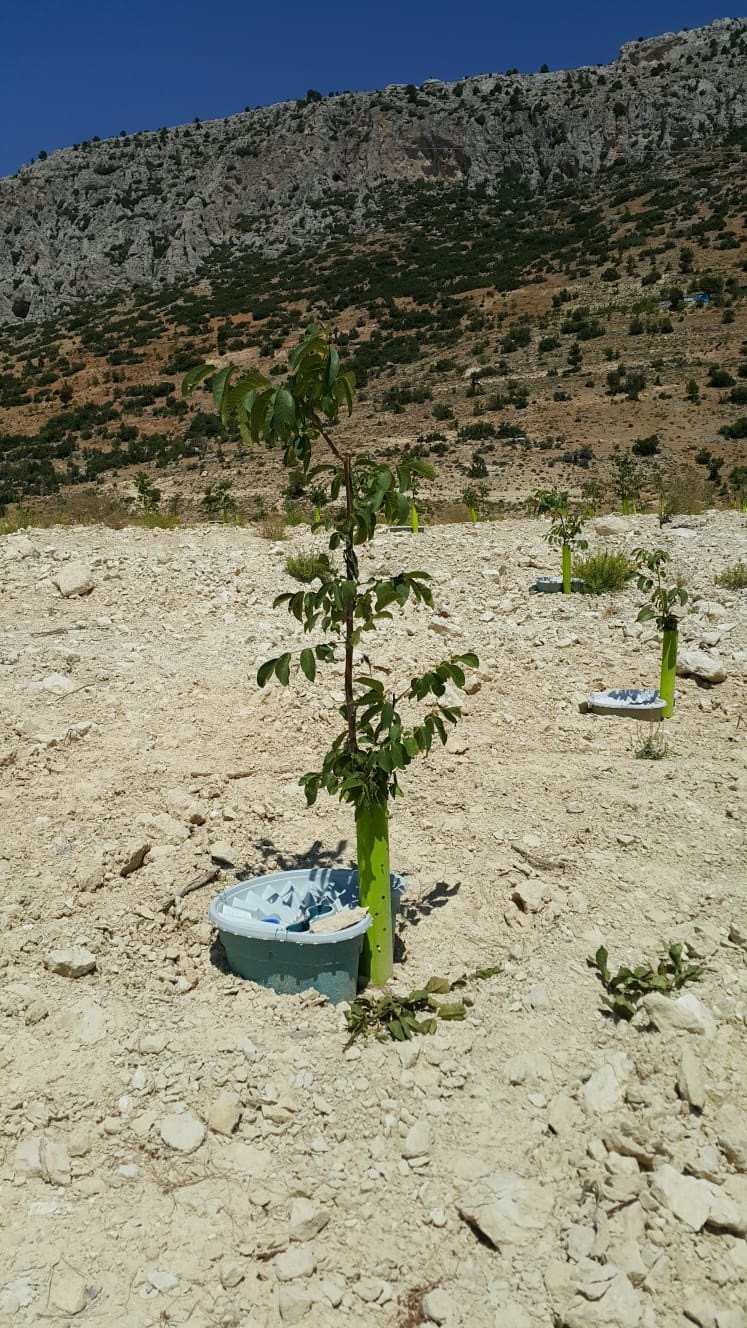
<point x="149" y="495"/>
<point x="418" y="473"/>
<point x="664" y="600"/>
<point x="565" y="526"/>
<point x="627" y="481"/>
<point x="377" y="741"/>
<point x="218" y="501"/>
<point x="474" y="498"/>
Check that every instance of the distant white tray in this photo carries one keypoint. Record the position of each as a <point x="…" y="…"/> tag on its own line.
<point x="628" y="703"/>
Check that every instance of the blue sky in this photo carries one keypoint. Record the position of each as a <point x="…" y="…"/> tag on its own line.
<point x="76" y="68"/>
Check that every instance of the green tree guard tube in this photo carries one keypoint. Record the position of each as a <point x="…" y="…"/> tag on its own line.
<point x="668" y="671"/>
<point x="414" y="519"/>
<point x="566" y="570"/>
<point x="473" y="516"/>
<point x="372" y="837"/>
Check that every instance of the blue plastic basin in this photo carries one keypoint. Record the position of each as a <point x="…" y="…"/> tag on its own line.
<point x="553" y="585"/>
<point x="263" y="925"/>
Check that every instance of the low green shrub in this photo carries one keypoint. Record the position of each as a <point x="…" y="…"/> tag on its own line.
<point x="734" y="577"/>
<point x="627" y="986"/>
<point x="156" y="520"/>
<point x="604" y="572"/>
<point x="307" y="567"/>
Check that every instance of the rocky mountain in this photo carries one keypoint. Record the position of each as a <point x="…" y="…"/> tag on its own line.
<point x="148" y="209"/>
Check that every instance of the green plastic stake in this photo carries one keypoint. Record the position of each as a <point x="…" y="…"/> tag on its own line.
<point x="374" y="890"/>
<point x="668" y="671"/>
<point x="414" y="519"/>
<point x="566" y="570"/>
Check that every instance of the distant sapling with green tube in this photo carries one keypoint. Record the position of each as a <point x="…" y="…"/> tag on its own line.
<point x="664" y="600"/>
<point x="565" y="526"/>
<point x="627" y="481"/>
<point x="377" y="742"/>
<point x="474" y="498"/>
<point x="414" y="517"/>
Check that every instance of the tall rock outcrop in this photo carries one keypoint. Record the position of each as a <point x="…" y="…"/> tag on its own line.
<point x="150" y="208"/>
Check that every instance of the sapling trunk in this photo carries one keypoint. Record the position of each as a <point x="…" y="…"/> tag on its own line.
<point x="566" y="570"/>
<point x="374" y="889"/>
<point x="668" y="670"/>
<point x="414" y="519"/>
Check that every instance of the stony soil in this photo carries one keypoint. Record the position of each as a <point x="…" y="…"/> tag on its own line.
<point x="180" y="1146"/>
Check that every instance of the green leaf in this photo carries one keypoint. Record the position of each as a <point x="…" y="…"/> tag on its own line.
<point x="219" y="383"/>
<point x="333" y="366"/>
<point x="259" y="412"/>
<point x="282" y="668"/>
<point x="243" y="423"/>
<point x="439" y="985"/>
<point x="195" y="376"/>
<point x="308" y="664"/>
<point x="344" y="391"/>
<point x="284" y="414"/>
<point x="265" y="671"/>
<point x="645" y="614"/>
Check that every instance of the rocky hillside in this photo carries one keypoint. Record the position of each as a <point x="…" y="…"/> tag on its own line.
<point x="148" y="209"/>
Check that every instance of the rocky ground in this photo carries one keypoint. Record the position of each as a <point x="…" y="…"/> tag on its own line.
<point x="180" y="1146"/>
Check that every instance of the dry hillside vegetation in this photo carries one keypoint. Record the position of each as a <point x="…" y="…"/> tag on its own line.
<point x="512" y="338"/>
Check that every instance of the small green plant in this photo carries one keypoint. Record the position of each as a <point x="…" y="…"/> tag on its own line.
<point x="682" y="491"/>
<point x="308" y="567"/>
<point x="396" y="1017"/>
<point x="317" y="495"/>
<point x="627" y="986"/>
<point x="734" y="577"/>
<point x="653" y="746"/>
<point x="417" y="473"/>
<point x="565" y="526"/>
<point x="474" y="499"/>
<point x="592" y="493"/>
<point x="627" y="481"/>
<point x="146" y="491"/>
<point x="155" y="519"/>
<point x="603" y="573"/>
<point x="218" y="501"/>
<point x="664" y="600"/>
<point x="271" y="526"/>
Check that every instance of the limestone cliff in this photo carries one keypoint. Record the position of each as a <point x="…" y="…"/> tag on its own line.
<point x="150" y="208"/>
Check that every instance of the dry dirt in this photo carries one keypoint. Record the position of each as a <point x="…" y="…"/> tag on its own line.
<point x="535" y="1165"/>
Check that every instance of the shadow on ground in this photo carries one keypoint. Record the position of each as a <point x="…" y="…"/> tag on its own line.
<point x="271" y="859"/>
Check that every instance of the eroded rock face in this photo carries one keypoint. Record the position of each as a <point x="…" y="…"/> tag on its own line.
<point x="150" y="209"/>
